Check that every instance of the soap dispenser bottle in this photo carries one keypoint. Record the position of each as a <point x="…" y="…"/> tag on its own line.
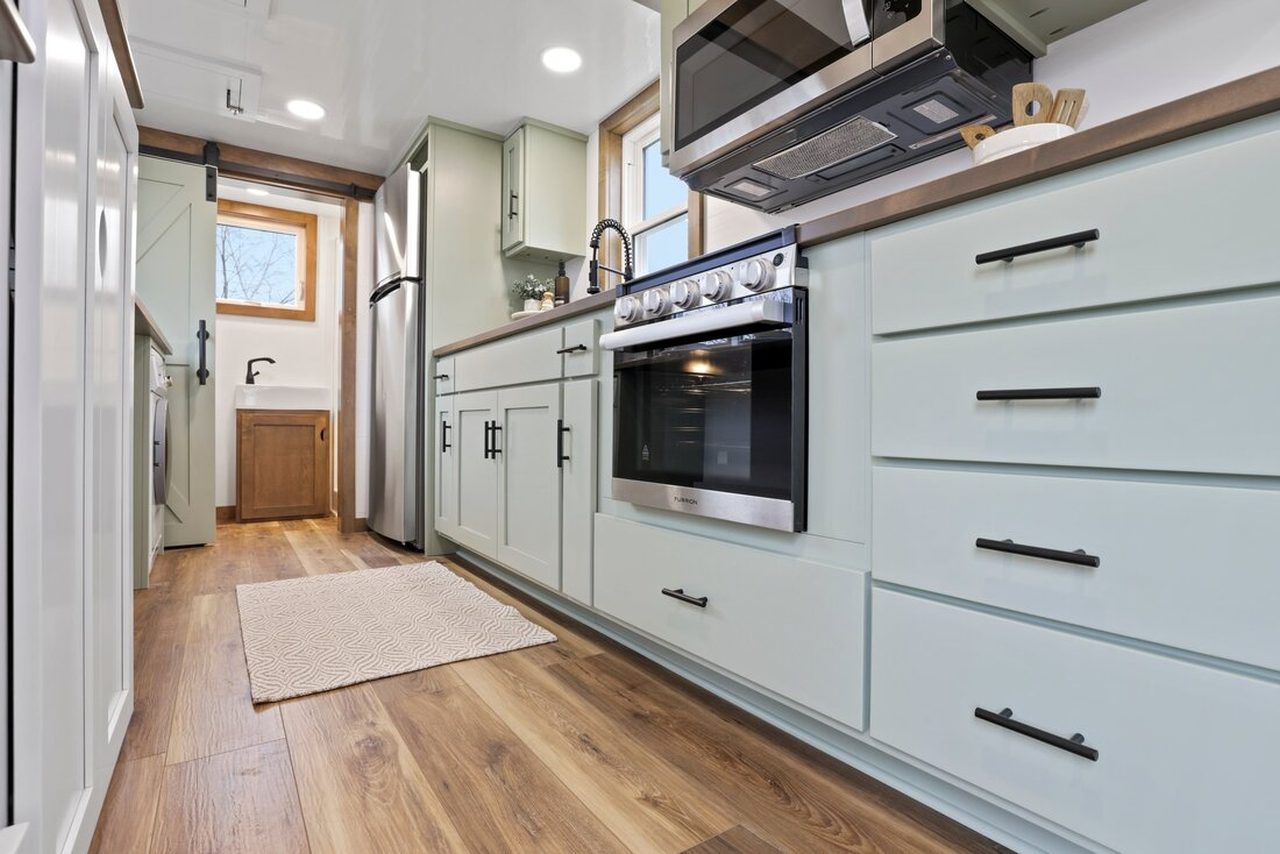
<point x="562" y="286"/>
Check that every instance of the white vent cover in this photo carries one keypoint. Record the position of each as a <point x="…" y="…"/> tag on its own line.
<point x="841" y="143"/>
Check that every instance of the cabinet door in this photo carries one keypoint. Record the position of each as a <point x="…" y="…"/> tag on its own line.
<point x="446" y="481"/>
<point x="578" y="467"/>
<point x="282" y="459"/>
<point x="513" y="190"/>
<point x="476" y="525"/>
<point x="529" y="481"/>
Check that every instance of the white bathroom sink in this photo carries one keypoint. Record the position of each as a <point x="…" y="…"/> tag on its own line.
<point x="282" y="397"/>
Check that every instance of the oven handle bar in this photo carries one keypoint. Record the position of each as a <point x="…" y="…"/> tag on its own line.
<point x="717" y="320"/>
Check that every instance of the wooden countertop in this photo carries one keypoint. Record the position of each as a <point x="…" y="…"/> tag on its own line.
<point x="1237" y="101"/>
<point x="145" y="324"/>
<point x="585" y="305"/>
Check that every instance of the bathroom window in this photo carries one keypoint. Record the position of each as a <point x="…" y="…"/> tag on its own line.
<point x="655" y="205"/>
<point x="265" y="261"/>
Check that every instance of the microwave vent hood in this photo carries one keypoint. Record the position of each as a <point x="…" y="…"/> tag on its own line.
<point x="901" y="117"/>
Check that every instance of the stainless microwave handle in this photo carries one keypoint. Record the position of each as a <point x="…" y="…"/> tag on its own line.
<point x="855" y="18"/>
<point x="713" y="320"/>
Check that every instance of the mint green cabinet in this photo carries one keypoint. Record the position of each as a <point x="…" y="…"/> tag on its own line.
<point x="578" y="451"/>
<point x="528" y="481"/>
<point x="446" y="473"/>
<point x="475" y="472"/>
<point x="544" y="191"/>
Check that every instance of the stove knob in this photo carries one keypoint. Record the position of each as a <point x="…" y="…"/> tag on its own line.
<point x="685" y="294"/>
<point x="656" y="301"/>
<point x="627" y="310"/>
<point x="756" y="274"/>
<point x="717" y="285"/>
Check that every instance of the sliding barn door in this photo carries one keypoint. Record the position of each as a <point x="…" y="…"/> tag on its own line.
<point x="175" y="278"/>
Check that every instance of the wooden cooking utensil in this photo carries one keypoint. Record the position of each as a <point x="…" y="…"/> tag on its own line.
<point x="974" y="134"/>
<point x="1032" y="103"/>
<point x="1069" y="107"/>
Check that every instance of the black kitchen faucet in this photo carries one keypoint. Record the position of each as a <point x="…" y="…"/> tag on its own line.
<point x="250" y="373"/>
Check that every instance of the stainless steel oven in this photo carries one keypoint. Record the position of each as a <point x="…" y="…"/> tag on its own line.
<point x="710" y="387"/>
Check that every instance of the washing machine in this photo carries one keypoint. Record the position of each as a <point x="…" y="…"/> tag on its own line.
<point x="159" y="423"/>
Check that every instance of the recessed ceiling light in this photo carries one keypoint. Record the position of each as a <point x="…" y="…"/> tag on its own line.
<point x="562" y="60"/>
<point x="257" y="191"/>
<point x="304" y="109"/>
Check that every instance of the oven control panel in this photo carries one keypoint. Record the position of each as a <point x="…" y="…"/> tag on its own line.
<point x="688" y="289"/>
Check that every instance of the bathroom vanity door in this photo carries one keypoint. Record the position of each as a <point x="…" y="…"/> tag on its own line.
<point x="177" y="226"/>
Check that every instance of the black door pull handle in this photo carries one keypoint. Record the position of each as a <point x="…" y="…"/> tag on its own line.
<point x="1004" y="718"/>
<point x="1079" y="557"/>
<point x="488" y="431"/>
<point x="678" y="593"/>
<point x="444" y="436"/>
<point x="576" y="348"/>
<point x="1077" y="239"/>
<point x="494" y="450"/>
<point x="561" y="430"/>
<point x="202" y="336"/>
<point x="1071" y="393"/>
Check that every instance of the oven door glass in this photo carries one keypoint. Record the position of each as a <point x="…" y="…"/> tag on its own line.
<point x="717" y="415"/>
<point x="755" y="49"/>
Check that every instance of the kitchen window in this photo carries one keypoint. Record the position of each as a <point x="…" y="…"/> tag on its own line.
<point x="265" y="261"/>
<point x="655" y="205"/>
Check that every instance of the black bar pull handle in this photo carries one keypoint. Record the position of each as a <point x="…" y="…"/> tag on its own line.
<point x="202" y="336"/>
<point x="440" y="377"/>
<point x="576" y="348"/>
<point x="494" y="450"/>
<point x="513" y="207"/>
<point x="678" y="593"/>
<point x="488" y="431"/>
<point x="1072" y="393"/>
<point x="1079" y="557"/>
<point x="444" y="436"/>
<point x="1004" y="718"/>
<point x="561" y="430"/>
<point x="1078" y="240"/>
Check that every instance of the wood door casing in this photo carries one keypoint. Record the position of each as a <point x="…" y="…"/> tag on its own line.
<point x="282" y="464"/>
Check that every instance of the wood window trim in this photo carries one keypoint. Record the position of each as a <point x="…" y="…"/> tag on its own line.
<point x="626" y="118"/>
<point x="309" y="224"/>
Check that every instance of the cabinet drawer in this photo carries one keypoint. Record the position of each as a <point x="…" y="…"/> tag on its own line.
<point x="445" y="375"/>
<point x="581" y="346"/>
<point x="1188" y="566"/>
<point x="1157" y="237"/>
<point x="529" y="358"/>
<point x="792" y="626"/>
<point x="1182" y="389"/>
<point x="1185" y="754"/>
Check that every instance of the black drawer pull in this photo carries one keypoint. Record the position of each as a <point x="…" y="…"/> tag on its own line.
<point x="1079" y="557"/>
<point x="561" y="457"/>
<point x="1004" y="718"/>
<point x="444" y="436"/>
<point x="488" y="434"/>
<point x="1078" y="240"/>
<point x="1075" y="393"/>
<point x="678" y="593"/>
<point x="440" y="377"/>
<point x="494" y="450"/>
<point x="576" y="348"/>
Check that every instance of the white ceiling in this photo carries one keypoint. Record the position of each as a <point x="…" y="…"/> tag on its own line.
<point x="379" y="67"/>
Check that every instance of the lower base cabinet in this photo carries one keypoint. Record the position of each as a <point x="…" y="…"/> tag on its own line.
<point x="282" y="464"/>
<point x="1185" y="754"/>
<point x="515" y="478"/>
<point x="792" y="626"/>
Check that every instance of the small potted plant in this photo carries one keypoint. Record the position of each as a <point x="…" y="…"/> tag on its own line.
<point x="530" y="289"/>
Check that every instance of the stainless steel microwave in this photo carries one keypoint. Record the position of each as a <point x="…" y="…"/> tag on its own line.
<point x="790" y="71"/>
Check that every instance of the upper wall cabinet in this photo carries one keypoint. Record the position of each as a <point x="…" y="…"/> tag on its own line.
<point x="544" y="193"/>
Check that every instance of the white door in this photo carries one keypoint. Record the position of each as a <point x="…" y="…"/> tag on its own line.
<point x="513" y="190"/>
<point x="175" y="278"/>
<point x="476" y="414"/>
<point x="529" y="481"/>
<point x="446" y="480"/>
<point x="51" y="284"/>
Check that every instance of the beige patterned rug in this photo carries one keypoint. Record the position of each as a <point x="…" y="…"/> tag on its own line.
<point x="304" y="635"/>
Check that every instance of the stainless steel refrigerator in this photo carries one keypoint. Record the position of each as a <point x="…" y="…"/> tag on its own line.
<point x="397" y="309"/>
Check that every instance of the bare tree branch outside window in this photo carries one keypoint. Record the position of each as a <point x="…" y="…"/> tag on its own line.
<point x="256" y="265"/>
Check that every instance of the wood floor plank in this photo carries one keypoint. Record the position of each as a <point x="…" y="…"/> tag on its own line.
<point x="316" y="553"/>
<point x="241" y="801"/>
<point x="642" y="799"/>
<point x="497" y="792"/>
<point x="129" y="811"/>
<point x="213" y="711"/>
<point x="360" y="788"/>
<point x="161" y="616"/>
<point x="735" y="840"/>
<point x="797" y="805"/>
